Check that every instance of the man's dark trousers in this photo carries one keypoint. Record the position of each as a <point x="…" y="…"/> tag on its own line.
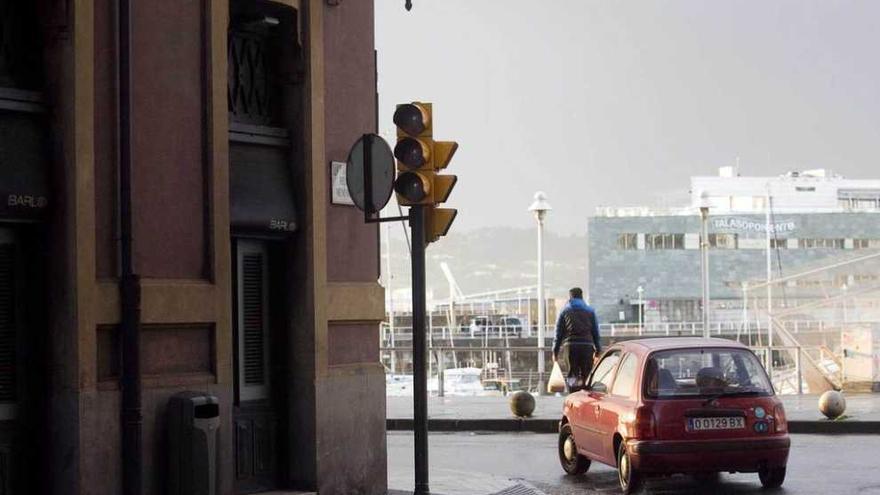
<point x="580" y="364"/>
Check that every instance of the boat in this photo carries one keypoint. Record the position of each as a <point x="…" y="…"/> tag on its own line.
<point x="459" y="382"/>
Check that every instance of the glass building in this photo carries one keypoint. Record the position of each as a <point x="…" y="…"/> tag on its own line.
<point x="822" y="251"/>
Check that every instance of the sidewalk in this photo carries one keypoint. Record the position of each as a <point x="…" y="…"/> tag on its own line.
<point x="493" y="414"/>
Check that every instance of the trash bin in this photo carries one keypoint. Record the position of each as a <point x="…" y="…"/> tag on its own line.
<point x="193" y="427"/>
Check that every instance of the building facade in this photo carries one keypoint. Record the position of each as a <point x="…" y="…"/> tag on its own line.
<point x="823" y="229"/>
<point x="245" y="283"/>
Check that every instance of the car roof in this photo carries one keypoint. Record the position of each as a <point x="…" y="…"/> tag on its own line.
<point x="665" y="343"/>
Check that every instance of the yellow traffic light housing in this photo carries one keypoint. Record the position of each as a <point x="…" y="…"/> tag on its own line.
<point x="414" y="153"/>
<point x="442" y="186"/>
<point x="442" y="153"/>
<point x="437" y="222"/>
<point x="419" y="158"/>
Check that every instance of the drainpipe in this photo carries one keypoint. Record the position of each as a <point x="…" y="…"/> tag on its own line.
<point x="129" y="283"/>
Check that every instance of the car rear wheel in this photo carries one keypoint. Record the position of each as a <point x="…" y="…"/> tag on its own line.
<point x="572" y="462"/>
<point x="772" y="477"/>
<point x="630" y="478"/>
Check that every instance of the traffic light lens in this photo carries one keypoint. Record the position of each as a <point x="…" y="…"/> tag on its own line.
<point x="410" y="152"/>
<point x="410" y="119"/>
<point x="412" y="186"/>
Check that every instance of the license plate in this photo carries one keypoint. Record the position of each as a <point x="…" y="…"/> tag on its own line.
<point x="722" y="423"/>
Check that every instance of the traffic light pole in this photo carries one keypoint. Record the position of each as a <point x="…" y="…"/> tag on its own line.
<point x="420" y="187"/>
<point x="417" y="222"/>
<point x="419" y="344"/>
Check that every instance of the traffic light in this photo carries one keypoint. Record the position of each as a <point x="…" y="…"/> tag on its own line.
<point x="419" y="159"/>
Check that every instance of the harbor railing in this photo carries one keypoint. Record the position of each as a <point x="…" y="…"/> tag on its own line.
<point x="626" y="330"/>
<point x="505" y="368"/>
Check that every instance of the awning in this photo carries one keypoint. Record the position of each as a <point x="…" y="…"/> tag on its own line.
<point x="24" y="157"/>
<point x="261" y="185"/>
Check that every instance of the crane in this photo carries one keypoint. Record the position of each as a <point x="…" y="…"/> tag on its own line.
<point x="455" y="292"/>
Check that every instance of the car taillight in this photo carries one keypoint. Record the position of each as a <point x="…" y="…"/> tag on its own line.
<point x="645" y="424"/>
<point x="779" y="416"/>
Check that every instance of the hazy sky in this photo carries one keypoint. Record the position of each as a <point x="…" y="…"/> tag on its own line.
<point x="620" y="102"/>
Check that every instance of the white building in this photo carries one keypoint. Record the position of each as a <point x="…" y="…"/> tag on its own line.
<point x="810" y="191"/>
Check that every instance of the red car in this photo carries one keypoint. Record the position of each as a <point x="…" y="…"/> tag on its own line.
<point x="657" y="407"/>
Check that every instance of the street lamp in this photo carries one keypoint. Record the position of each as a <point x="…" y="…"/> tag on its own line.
<point x="540" y="208"/>
<point x="844" y="288"/>
<point x="704" y="257"/>
<point x="745" y="312"/>
<point x="641" y="291"/>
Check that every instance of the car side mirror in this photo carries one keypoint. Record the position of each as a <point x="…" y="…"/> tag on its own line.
<point x="599" y="387"/>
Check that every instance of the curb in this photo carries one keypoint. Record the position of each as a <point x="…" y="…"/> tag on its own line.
<point x="497" y="425"/>
<point x="828" y="427"/>
<point x="552" y="426"/>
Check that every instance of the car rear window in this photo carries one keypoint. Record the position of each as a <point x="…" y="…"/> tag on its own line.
<point x="708" y="372"/>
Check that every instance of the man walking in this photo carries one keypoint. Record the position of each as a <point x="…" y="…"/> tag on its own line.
<point x="577" y="340"/>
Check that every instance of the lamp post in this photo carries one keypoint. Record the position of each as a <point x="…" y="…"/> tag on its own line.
<point x="844" y="288"/>
<point x="540" y="208"/>
<point x="768" y="210"/>
<point x="745" y="314"/>
<point x="641" y="291"/>
<point x="704" y="258"/>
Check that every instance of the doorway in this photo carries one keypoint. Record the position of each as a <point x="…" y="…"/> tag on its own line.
<point x="255" y="415"/>
<point x="21" y="379"/>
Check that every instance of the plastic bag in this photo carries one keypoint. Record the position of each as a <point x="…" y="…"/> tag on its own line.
<point x="556" y="383"/>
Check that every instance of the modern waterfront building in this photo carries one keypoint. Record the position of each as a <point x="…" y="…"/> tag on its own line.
<point x="824" y="230"/>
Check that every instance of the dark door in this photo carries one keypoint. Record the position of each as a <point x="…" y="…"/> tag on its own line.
<point x="22" y="391"/>
<point x="10" y="321"/>
<point x="255" y="418"/>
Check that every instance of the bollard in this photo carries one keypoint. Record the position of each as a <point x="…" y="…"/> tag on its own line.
<point x="832" y="404"/>
<point x="522" y="404"/>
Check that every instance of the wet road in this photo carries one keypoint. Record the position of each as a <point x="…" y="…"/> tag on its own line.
<point x="477" y="464"/>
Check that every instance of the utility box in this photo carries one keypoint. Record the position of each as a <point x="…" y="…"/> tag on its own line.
<point x="193" y="428"/>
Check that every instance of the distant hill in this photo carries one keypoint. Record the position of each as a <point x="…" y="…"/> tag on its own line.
<point x="493" y="259"/>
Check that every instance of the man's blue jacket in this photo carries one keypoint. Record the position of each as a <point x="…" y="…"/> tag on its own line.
<point x="576" y="304"/>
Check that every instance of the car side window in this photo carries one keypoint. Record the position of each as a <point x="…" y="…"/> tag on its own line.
<point x="603" y="375"/>
<point x="626" y="377"/>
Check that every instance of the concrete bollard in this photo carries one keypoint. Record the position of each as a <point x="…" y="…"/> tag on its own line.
<point x="832" y="404"/>
<point x="522" y="404"/>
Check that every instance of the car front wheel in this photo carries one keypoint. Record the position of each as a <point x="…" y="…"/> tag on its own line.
<point x="630" y="478"/>
<point x="772" y="477"/>
<point x="572" y="462"/>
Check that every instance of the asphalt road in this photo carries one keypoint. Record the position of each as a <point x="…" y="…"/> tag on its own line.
<point x="478" y="464"/>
